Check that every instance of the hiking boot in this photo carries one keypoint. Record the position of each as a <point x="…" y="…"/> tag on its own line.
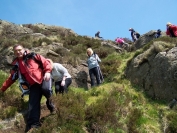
<point x="53" y="112"/>
<point x="32" y="130"/>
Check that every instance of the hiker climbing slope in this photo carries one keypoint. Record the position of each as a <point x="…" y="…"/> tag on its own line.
<point x="93" y="66"/>
<point x="135" y="35"/>
<point x="121" y="43"/>
<point x="34" y="75"/>
<point x="171" y="30"/>
<point x="98" y="34"/>
<point x="61" y="77"/>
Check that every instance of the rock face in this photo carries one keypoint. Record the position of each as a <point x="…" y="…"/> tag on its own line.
<point x="155" y="72"/>
<point x="12" y="30"/>
<point x="80" y="76"/>
<point x="145" y="38"/>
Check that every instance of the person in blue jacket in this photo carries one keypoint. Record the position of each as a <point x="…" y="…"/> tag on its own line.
<point x="93" y="67"/>
<point x="157" y="33"/>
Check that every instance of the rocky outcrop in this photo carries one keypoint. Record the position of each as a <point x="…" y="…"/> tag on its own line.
<point x="145" y="38"/>
<point x="12" y="30"/>
<point x="38" y="30"/>
<point x="155" y="71"/>
<point x="80" y="76"/>
<point x="112" y="45"/>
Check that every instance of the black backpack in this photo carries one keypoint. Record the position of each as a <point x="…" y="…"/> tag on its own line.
<point x="23" y="84"/>
<point x="137" y="34"/>
<point x="32" y="56"/>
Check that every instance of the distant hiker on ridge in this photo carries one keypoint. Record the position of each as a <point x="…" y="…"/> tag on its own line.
<point x="171" y="30"/>
<point x="98" y="34"/>
<point x="121" y="43"/>
<point x="135" y="35"/>
<point x="157" y="33"/>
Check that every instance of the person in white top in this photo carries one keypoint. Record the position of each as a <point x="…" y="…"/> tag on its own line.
<point x="61" y="77"/>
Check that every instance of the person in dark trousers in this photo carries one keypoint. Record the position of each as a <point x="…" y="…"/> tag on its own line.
<point x="171" y="30"/>
<point x="99" y="70"/>
<point x="134" y="35"/>
<point x="61" y="77"/>
<point x="93" y="67"/>
<point x="34" y="76"/>
<point x="98" y="34"/>
<point x="157" y="33"/>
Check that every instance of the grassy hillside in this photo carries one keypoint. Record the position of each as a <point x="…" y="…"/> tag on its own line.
<point x="116" y="106"/>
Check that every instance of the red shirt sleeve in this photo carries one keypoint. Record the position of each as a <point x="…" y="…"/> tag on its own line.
<point x="7" y="83"/>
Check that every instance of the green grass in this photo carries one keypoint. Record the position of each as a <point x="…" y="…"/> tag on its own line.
<point x="103" y="103"/>
<point x="115" y="106"/>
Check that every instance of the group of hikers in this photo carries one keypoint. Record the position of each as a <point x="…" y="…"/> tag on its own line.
<point x="171" y="31"/>
<point x="35" y="74"/>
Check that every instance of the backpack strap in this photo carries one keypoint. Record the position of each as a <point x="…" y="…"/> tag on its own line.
<point x="32" y="56"/>
<point x="23" y="84"/>
<point x="15" y="71"/>
<point x="94" y="55"/>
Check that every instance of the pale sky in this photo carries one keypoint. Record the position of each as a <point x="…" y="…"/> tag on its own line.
<point x="112" y="18"/>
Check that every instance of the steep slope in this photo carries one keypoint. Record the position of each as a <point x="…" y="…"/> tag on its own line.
<point x="118" y="105"/>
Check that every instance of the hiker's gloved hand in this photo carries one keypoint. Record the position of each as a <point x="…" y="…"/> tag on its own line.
<point x="63" y="83"/>
<point x="47" y="76"/>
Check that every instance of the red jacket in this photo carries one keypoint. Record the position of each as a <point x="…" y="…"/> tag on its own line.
<point x="174" y="29"/>
<point x="33" y="68"/>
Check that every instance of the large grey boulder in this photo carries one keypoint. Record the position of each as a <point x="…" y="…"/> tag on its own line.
<point x="80" y="76"/>
<point x="155" y="71"/>
<point x="145" y="38"/>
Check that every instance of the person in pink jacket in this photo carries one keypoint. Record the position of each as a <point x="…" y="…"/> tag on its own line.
<point x="171" y="30"/>
<point x="120" y="42"/>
